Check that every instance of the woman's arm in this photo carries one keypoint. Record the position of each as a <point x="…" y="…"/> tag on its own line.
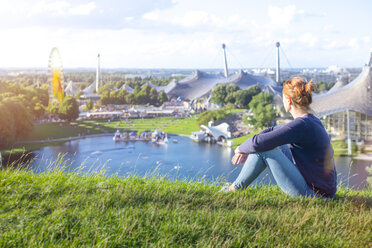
<point x="273" y="137"/>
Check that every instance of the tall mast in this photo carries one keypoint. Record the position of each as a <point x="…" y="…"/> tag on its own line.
<point x="98" y="73"/>
<point x="277" y="64"/>
<point x="225" y="60"/>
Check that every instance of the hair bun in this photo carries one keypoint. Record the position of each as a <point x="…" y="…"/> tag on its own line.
<point x="299" y="90"/>
<point x="309" y="87"/>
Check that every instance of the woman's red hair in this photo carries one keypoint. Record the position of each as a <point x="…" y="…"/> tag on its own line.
<point x="299" y="91"/>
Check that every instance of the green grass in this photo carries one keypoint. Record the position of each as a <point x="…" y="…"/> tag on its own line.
<point x="238" y="141"/>
<point x="56" y="209"/>
<point x="340" y="148"/>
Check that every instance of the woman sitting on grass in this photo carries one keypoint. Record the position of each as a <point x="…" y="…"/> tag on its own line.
<point x="299" y="154"/>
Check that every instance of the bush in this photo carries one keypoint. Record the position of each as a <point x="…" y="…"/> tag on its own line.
<point x="69" y="109"/>
<point x="209" y="115"/>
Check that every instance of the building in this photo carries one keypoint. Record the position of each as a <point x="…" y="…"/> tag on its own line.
<point x="348" y="105"/>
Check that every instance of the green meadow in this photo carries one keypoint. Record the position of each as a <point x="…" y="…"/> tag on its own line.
<point x="56" y="209"/>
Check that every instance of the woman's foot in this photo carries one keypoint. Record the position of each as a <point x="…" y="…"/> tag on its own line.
<point x="227" y="189"/>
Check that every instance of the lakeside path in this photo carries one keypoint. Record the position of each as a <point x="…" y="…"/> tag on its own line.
<point x="63" y="139"/>
<point x="25" y="142"/>
<point x="364" y="156"/>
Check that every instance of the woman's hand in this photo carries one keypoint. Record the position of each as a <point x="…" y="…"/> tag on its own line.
<point x="239" y="157"/>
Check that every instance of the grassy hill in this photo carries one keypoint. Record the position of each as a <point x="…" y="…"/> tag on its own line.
<point x="56" y="209"/>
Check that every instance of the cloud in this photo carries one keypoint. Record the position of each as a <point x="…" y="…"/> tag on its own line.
<point x="83" y="9"/>
<point x="52" y="8"/>
<point x="356" y="43"/>
<point x="61" y="8"/>
<point x="152" y="15"/>
<point x="195" y="20"/>
<point x="309" y="39"/>
<point x="282" y="16"/>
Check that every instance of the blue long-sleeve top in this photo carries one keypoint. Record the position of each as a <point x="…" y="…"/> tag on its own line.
<point x="310" y="147"/>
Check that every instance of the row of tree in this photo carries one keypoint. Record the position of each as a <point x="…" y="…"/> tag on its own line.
<point x="68" y="109"/>
<point x="144" y="95"/>
<point x="20" y="105"/>
<point x="230" y="93"/>
<point x="259" y="103"/>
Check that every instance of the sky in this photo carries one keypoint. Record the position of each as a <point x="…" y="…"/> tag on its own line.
<point x="185" y="33"/>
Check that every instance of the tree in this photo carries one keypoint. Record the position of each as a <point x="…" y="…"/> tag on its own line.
<point x="223" y="94"/>
<point x="322" y="86"/>
<point x="231" y="97"/>
<point x="21" y="115"/>
<point x="89" y="105"/>
<point x="244" y="97"/>
<point x="130" y="98"/>
<point x="162" y="97"/>
<point x="121" y="97"/>
<point x="53" y="108"/>
<point x="39" y="110"/>
<point x="143" y="96"/>
<point x="69" y="109"/>
<point x="264" y="115"/>
<point x="153" y="97"/>
<point x="105" y="98"/>
<point x="263" y="110"/>
<point x="262" y="98"/>
<point x="219" y="94"/>
<point x="79" y="94"/>
<point x="7" y="128"/>
<point x="230" y="88"/>
<point x="330" y="85"/>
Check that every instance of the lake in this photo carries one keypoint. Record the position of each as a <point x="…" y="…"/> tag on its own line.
<point x="185" y="160"/>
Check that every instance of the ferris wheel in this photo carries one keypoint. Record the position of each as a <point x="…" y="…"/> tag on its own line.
<point x="55" y="71"/>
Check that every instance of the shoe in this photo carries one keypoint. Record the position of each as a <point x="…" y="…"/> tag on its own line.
<point x="225" y="189"/>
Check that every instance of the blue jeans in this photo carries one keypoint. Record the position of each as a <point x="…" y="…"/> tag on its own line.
<point x="285" y="173"/>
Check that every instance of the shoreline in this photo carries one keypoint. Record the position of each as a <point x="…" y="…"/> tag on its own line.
<point x="361" y="156"/>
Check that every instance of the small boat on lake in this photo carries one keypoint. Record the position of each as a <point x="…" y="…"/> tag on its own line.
<point x="118" y="136"/>
<point x="159" y="138"/>
<point x="131" y="136"/>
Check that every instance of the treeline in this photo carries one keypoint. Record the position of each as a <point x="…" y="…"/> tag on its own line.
<point x="323" y="86"/>
<point x="118" y="82"/>
<point x="230" y="93"/>
<point x="118" y="79"/>
<point x="214" y="115"/>
<point x="144" y="95"/>
<point x="68" y="109"/>
<point x="259" y="104"/>
<point x="20" y="104"/>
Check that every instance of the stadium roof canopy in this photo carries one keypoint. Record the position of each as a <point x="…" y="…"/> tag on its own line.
<point x="200" y="84"/>
<point x="341" y="82"/>
<point x="355" y="96"/>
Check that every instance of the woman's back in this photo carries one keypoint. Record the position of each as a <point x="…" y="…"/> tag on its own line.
<point x="313" y="155"/>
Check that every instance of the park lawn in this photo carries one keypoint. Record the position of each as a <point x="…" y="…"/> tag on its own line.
<point x="56" y="209"/>
<point x="61" y="130"/>
<point x="183" y="126"/>
<point x="240" y="140"/>
<point x="86" y="127"/>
